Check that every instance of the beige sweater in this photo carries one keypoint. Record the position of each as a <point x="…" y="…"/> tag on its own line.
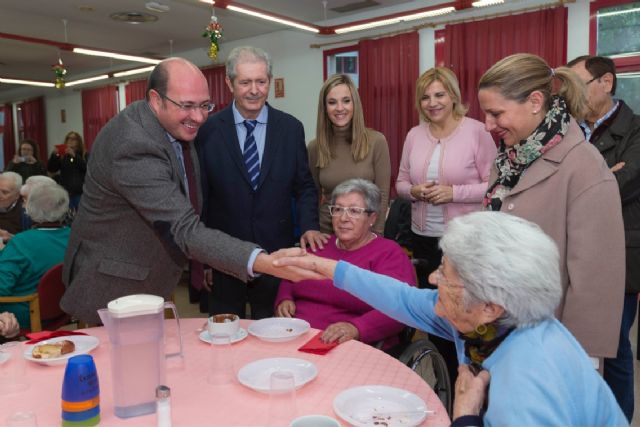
<point x="376" y="167"/>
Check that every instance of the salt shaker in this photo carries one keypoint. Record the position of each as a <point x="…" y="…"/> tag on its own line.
<point x="163" y="405"/>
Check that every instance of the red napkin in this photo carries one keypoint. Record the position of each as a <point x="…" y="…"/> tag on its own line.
<point x="315" y="346"/>
<point x="45" y="335"/>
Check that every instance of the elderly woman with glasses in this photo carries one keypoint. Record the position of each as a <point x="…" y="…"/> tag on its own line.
<point x="497" y="289"/>
<point x="354" y="208"/>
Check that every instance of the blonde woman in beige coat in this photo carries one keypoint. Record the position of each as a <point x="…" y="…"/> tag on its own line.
<point x="545" y="172"/>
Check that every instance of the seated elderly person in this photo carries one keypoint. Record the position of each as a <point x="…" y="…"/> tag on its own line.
<point x="497" y="289"/>
<point x="9" y="326"/>
<point x="29" y="254"/>
<point x="10" y="204"/>
<point x="354" y="209"/>
<point x="30" y="183"/>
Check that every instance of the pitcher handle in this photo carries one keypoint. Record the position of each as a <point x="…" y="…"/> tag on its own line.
<point x="172" y="306"/>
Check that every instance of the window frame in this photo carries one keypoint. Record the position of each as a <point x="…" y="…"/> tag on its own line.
<point x="623" y="65"/>
<point x="331" y="52"/>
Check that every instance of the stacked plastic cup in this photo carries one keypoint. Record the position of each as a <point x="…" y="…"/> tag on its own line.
<point x="80" y="393"/>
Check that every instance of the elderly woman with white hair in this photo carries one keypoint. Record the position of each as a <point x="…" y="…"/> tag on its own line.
<point x="29" y="254"/>
<point x="497" y="289"/>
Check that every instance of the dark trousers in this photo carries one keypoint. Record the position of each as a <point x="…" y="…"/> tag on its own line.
<point x="230" y="295"/>
<point x="427" y="257"/>
<point x="618" y="372"/>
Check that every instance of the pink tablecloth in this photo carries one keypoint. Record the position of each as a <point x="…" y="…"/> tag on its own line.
<point x="196" y="403"/>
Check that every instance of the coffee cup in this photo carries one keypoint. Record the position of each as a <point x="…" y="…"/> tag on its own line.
<point x="223" y="324"/>
<point x="314" y="421"/>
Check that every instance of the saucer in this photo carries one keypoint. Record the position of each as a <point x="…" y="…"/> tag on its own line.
<point x="238" y="336"/>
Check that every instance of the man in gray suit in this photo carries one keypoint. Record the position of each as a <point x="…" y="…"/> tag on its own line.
<point x="136" y="226"/>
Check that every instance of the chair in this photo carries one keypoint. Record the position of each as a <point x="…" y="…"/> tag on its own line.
<point x="423" y="358"/>
<point x="44" y="304"/>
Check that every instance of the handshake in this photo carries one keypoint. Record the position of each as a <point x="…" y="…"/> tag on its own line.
<point x="295" y="264"/>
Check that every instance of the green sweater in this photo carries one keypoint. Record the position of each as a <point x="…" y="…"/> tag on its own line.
<point x="24" y="260"/>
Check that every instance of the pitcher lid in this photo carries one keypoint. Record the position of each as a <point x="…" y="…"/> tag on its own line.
<point x="136" y="305"/>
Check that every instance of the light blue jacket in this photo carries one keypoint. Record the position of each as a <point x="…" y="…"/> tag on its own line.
<point x="540" y="375"/>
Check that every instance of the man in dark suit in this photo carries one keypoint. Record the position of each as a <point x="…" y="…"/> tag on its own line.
<point x="138" y="221"/>
<point x="254" y="161"/>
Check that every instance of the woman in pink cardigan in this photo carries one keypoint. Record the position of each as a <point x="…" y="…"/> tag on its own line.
<point x="445" y="165"/>
<point x="354" y="208"/>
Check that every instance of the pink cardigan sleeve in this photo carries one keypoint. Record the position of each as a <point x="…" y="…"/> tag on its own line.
<point x="484" y="156"/>
<point x="403" y="182"/>
<point x="374" y="326"/>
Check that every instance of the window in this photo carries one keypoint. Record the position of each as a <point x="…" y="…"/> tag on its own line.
<point x="614" y="29"/>
<point x="343" y="60"/>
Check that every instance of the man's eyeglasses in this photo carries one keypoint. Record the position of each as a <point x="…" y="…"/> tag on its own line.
<point x="188" y="107"/>
<point x="591" y="81"/>
<point x="352" y="211"/>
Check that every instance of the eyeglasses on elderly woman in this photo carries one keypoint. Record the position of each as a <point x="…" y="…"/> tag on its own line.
<point x="352" y="211"/>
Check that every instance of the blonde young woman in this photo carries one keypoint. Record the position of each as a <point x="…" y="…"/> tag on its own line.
<point x="445" y="164"/>
<point x="547" y="173"/>
<point x="344" y="148"/>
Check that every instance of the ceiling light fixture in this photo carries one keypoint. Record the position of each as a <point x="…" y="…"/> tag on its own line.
<point x="268" y="17"/>
<point x="396" y="20"/>
<point x="134" y="71"/>
<point x="484" y="3"/>
<point x="115" y="55"/>
<point x="87" y="80"/>
<point x="618" y="12"/>
<point x="26" y="82"/>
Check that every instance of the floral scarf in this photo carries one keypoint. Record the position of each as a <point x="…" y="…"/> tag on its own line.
<point x="513" y="161"/>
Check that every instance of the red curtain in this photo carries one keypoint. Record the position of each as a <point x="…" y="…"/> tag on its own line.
<point x="34" y="124"/>
<point x="9" y="146"/>
<point x="471" y="48"/>
<point x="220" y="94"/>
<point x="98" y="107"/>
<point x="388" y="71"/>
<point x="135" y="91"/>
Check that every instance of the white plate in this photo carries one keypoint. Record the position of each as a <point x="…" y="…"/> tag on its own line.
<point x="256" y="375"/>
<point x="360" y="406"/>
<point x="238" y="336"/>
<point x="84" y="344"/>
<point x="278" y="329"/>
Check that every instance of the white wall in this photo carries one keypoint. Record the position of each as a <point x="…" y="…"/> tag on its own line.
<point x="71" y="102"/>
<point x="578" y="25"/>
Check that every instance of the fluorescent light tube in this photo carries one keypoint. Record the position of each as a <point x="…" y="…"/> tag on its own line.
<point x="484" y="3"/>
<point x="397" y="19"/>
<point x="87" y="80"/>
<point x="115" y="55"/>
<point x="273" y="18"/>
<point x="135" y="71"/>
<point x="25" y="82"/>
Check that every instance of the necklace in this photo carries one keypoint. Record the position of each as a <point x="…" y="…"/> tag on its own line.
<point x="339" y="244"/>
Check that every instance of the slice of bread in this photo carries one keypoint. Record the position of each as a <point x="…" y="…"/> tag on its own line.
<point x="48" y="351"/>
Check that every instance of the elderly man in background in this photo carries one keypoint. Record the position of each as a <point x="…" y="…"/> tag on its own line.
<point x="613" y="128"/>
<point x="254" y="161"/>
<point x="10" y="205"/>
<point x="29" y="254"/>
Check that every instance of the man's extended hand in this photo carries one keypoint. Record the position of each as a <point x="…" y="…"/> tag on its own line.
<point x="265" y="264"/>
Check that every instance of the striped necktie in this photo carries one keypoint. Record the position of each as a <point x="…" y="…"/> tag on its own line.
<point x="250" y="154"/>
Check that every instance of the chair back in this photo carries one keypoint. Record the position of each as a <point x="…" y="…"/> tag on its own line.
<point x="50" y="291"/>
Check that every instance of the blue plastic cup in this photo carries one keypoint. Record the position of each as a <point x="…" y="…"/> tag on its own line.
<point x="80" y="392"/>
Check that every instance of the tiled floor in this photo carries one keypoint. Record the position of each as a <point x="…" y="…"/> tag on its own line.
<point x="191" y="310"/>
